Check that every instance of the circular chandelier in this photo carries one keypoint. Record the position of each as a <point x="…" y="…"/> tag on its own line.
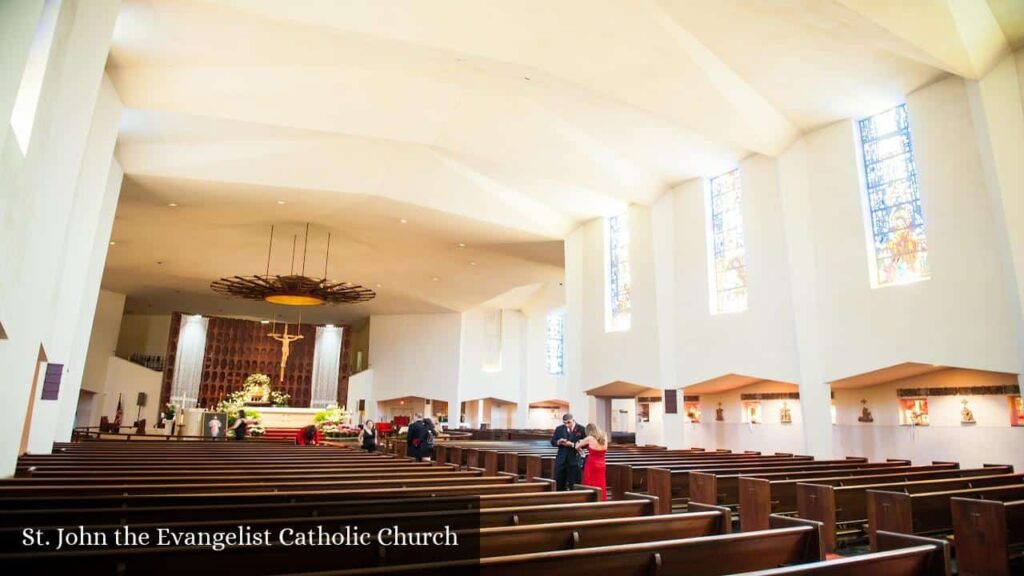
<point x="293" y="289"/>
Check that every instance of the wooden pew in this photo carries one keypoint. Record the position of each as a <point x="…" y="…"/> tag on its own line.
<point x="464" y="478"/>
<point x="722" y="488"/>
<point x="907" y="556"/>
<point x="711" y="555"/>
<point x="989" y="536"/>
<point x="836" y="506"/>
<point x="11" y="538"/>
<point x="927" y="513"/>
<point x="635" y="477"/>
<point x="491" y="542"/>
<point x="116" y="515"/>
<point x="225" y="498"/>
<point x="766" y="494"/>
<point x="670" y="484"/>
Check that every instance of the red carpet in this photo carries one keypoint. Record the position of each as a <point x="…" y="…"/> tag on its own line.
<point x="280" y="433"/>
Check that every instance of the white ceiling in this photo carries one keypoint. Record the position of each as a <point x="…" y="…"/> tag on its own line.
<point x="499" y="124"/>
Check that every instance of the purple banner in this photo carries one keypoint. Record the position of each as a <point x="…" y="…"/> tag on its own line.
<point x="51" y="381"/>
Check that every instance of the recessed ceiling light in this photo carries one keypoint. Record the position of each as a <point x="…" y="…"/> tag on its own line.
<point x="172" y="204"/>
<point x="281" y="202"/>
<point x="264" y="321"/>
<point x="472" y="263"/>
<point x="462" y="244"/>
<point x="403" y="221"/>
<point x="112" y="243"/>
<point x="435" y="278"/>
<point x="379" y="285"/>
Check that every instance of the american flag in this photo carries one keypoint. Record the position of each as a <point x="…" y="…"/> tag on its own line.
<point x="119" y="415"/>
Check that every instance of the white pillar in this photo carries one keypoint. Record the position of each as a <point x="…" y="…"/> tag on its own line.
<point x="85" y="253"/>
<point x="997" y="108"/>
<point x="815" y="393"/>
<point x="40" y="187"/>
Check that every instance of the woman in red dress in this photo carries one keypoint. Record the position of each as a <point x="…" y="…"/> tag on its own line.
<point x="596" y="443"/>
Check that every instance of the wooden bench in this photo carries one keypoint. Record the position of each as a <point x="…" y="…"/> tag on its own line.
<point x="989" y="536"/>
<point x="674" y="484"/>
<point x="722" y="488"/>
<point x="710" y="555"/>
<point x="927" y="513"/>
<point x="766" y="494"/>
<point x="131" y="501"/>
<point x="489" y="542"/>
<point x="847" y="506"/>
<point x="11" y="538"/>
<point x="116" y="515"/>
<point x="904" y="556"/>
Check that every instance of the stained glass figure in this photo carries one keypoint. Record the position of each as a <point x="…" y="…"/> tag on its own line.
<point x="619" y="304"/>
<point x="556" y="343"/>
<point x="894" y="205"/>
<point x="728" y="249"/>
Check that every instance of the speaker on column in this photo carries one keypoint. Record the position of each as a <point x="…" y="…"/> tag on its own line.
<point x="428" y="401"/>
<point x="362" y="405"/>
<point x="141" y="400"/>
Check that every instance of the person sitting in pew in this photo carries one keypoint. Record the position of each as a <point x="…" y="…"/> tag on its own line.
<point x="596" y="443"/>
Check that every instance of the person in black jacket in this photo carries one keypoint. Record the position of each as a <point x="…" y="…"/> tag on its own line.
<point x="567" y="464"/>
<point x="414" y="438"/>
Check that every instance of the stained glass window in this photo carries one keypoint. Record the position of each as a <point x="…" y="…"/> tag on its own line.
<point x="618" y="316"/>
<point x="893" y="202"/>
<point x="729" y="259"/>
<point x="556" y="343"/>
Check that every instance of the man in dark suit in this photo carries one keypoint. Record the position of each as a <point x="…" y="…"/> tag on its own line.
<point x="567" y="464"/>
<point x="414" y="438"/>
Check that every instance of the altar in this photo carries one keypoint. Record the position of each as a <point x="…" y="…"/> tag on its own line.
<point x="287" y="417"/>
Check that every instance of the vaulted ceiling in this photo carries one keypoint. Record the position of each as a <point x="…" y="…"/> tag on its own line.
<point x="497" y="124"/>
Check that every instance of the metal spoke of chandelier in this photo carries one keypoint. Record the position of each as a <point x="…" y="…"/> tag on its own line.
<point x="293" y="289"/>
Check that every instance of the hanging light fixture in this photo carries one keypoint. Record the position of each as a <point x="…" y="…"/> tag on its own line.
<point x="293" y="289"/>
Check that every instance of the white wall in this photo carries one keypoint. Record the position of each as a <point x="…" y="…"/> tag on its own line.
<point x="145" y="334"/>
<point x="540" y="385"/>
<point x="360" y="387"/>
<point x="416" y="355"/>
<point x="477" y="381"/>
<point x="991" y="440"/>
<point x="813" y="316"/>
<point x="735" y="434"/>
<point x="125" y="380"/>
<point x="595" y="357"/>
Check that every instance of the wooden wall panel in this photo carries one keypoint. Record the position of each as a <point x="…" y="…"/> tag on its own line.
<point x="237" y="348"/>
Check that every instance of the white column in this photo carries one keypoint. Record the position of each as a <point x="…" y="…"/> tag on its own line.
<point x="39" y="193"/>
<point x="997" y="108"/>
<point x="815" y="393"/>
<point x="85" y="252"/>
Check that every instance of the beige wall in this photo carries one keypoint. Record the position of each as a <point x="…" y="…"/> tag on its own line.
<point x="145" y="334"/>
<point x="359" y="342"/>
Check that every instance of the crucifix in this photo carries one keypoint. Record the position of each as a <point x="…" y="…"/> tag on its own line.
<point x="286" y="341"/>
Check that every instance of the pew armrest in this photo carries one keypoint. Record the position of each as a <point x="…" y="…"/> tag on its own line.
<point x="726" y="514"/>
<point x="652" y="507"/>
<point x="551" y="483"/>
<point x="938" y="562"/>
<point x="515" y="477"/>
<point x="776" y="521"/>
